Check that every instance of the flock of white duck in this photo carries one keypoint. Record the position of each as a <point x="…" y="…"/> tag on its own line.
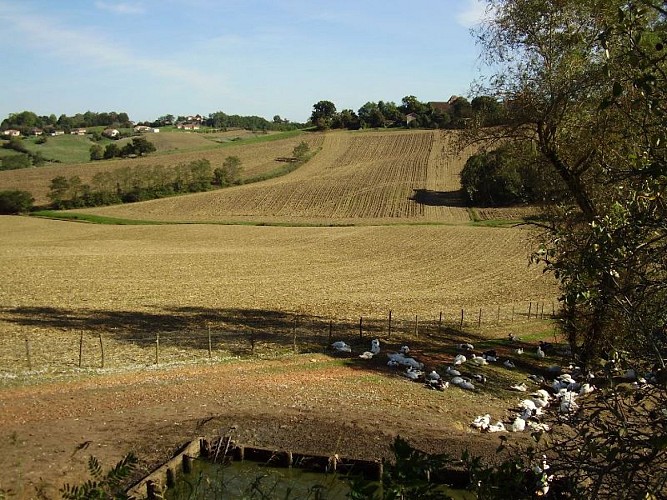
<point x="562" y="392"/>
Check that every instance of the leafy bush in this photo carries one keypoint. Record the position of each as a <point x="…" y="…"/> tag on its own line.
<point x="102" y="485"/>
<point x="16" y="162"/>
<point x="15" y="202"/>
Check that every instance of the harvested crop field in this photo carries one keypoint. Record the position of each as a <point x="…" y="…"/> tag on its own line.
<point x="139" y="338"/>
<point x="355" y="178"/>
<point x="257" y="159"/>
<point x="66" y="283"/>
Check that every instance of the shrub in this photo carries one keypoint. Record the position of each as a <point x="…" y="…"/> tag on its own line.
<point x="15" y="162"/>
<point x="15" y="202"/>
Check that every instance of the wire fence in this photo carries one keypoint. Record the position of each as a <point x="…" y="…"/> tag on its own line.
<point x="97" y="346"/>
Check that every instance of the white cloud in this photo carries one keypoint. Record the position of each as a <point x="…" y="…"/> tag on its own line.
<point x="120" y="7"/>
<point x="473" y="14"/>
<point x="76" y="45"/>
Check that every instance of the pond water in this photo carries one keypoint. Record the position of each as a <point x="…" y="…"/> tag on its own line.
<point x="252" y="480"/>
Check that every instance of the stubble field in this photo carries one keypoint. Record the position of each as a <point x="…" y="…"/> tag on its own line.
<point x="104" y="329"/>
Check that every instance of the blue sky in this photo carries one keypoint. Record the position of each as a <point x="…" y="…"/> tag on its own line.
<point x="251" y="57"/>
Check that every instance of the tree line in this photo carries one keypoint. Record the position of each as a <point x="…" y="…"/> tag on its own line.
<point x="27" y="120"/>
<point x="458" y="112"/>
<point x="141" y="183"/>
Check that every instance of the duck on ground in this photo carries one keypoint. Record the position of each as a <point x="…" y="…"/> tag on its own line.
<point x="341" y="346"/>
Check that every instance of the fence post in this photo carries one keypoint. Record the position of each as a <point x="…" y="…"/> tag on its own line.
<point x="479" y="318"/>
<point x="416" y="326"/>
<point x="80" y="348"/>
<point x="462" y="314"/>
<point x="542" y="311"/>
<point x="102" y="349"/>
<point x="210" y="351"/>
<point x="389" y="330"/>
<point x="294" y="335"/>
<point x="530" y="307"/>
<point x="27" y="352"/>
<point x="440" y="324"/>
<point x="553" y="310"/>
<point x="361" y="327"/>
<point x="157" y="348"/>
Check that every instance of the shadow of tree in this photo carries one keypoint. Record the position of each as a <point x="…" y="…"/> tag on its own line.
<point x="439" y="198"/>
<point x="241" y="331"/>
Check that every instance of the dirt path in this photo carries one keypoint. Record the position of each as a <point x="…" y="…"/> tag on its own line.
<point x="311" y="404"/>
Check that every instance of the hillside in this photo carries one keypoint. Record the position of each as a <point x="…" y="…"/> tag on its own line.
<point x="257" y="156"/>
<point x="381" y="177"/>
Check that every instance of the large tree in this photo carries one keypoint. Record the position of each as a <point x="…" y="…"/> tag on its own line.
<point x="323" y="113"/>
<point x="584" y="83"/>
<point x="571" y="89"/>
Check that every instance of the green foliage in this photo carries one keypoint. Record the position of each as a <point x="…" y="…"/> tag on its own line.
<point x="229" y="173"/>
<point x="300" y="150"/>
<point x="102" y="485"/>
<point x="15" y="202"/>
<point x="15" y="162"/>
<point x="96" y="152"/>
<point x="111" y="151"/>
<point x="16" y="144"/>
<point x="587" y="82"/>
<point x="323" y="114"/>
<point x="493" y="179"/>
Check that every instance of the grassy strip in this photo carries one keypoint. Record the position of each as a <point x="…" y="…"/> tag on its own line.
<point x="263" y="138"/>
<point x="94" y="219"/>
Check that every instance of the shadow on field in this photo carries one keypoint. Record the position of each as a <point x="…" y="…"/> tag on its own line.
<point x="251" y="332"/>
<point x="439" y="198"/>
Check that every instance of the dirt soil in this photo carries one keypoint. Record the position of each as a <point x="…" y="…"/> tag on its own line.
<point x="305" y="403"/>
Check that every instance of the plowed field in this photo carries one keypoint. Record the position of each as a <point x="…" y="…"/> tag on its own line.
<point x="103" y="329"/>
<point x="356" y="177"/>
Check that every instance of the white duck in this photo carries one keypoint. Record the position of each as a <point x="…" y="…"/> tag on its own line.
<point x="519" y="425"/>
<point x="540" y="352"/>
<point x="482" y="422"/>
<point x="375" y="349"/>
<point x="459" y="359"/>
<point x="341" y="346"/>
<point x="413" y="374"/>
<point x="519" y="387"/>
<point x="478" y="360"/>
<point x="497" y="427"/>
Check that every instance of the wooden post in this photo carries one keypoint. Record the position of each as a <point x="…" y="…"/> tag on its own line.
<point x="530" y="307"/>
<point x="416" y="326"/>
<point x="80" y="348"/>
<point x="171" y="478"/>
<point x="157" y="348"/>
<point x="187" y="464"/>
<point x="440" y="324"/>
<point x="389" y="329"/>
<point x="152" y="490"/>
<point x="462" y="314"/>
<point x="553" y="310"/>
<point x="27" y="353"/>
<point x="102" y="349"/>
<point x="479" y="318"/>
<point x="210" y="351"/>
<point x="542" y="311"/>
<point x="361" y="327"/>
<point x="294" y="335"/>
